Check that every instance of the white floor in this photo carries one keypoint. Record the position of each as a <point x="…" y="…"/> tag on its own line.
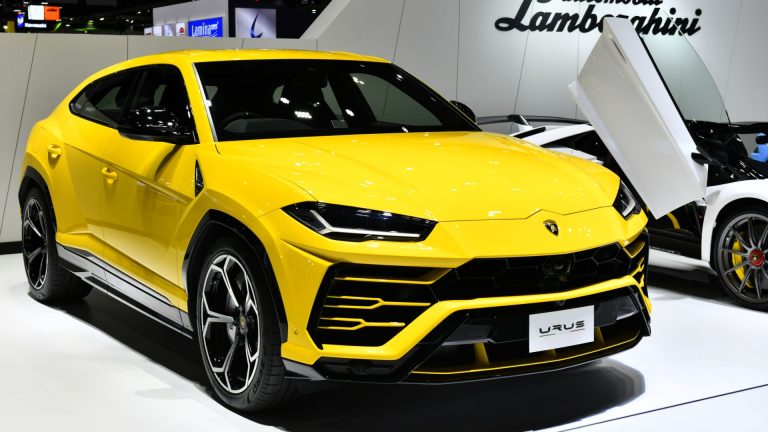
<point x="96" y="365"/>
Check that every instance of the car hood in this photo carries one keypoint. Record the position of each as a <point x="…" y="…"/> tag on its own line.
<point x="444" y="176"/>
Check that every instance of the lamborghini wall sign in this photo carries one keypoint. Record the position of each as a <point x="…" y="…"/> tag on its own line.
<point x="665" y="22"/>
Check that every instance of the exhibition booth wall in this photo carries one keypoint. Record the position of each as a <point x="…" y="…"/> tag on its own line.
<point x="481" y="52"/>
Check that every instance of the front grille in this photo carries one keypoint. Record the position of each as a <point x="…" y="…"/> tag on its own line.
<point x="497" y="277"/>
<point x="367" y="305"/>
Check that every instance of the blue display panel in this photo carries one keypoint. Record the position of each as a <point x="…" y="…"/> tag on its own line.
<point x="209" y="27"/>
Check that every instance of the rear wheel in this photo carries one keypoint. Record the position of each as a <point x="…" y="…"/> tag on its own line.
<point x="238" y="332"/>
<point x="48" y="282"/>
<point x="740" y="254"/>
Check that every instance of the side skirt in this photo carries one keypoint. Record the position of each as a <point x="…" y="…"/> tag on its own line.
<point x="664" y="259"/>
<point x="124" y="288"/>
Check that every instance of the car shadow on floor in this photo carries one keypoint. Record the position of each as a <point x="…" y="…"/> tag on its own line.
<point x="521" y="403"/>
<point x="162" y="345"/>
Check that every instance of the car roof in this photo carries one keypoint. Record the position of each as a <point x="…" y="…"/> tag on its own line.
<point x="189" y="57"/>
<point x="198" y="56"/>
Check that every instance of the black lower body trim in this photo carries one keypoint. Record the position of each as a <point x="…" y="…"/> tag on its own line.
<point x="123" y="288"/>
<point x="685" y="245"/>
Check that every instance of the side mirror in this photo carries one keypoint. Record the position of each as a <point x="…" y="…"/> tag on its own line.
<point x="155" y="123"/>
<point x="467" y="111"/>
<point x="703" y="160"/>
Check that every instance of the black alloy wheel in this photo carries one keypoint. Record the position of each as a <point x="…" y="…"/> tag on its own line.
<point x="237" y="330"/>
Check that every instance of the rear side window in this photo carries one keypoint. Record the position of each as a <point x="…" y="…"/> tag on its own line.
<point x="103" y="100"/>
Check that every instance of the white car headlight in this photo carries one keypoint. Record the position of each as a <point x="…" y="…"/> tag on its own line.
<point x="356" y="224"/>
<point x="625" y="202"/>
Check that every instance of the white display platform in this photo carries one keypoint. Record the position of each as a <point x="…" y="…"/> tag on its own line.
<point x="97" y="365"/>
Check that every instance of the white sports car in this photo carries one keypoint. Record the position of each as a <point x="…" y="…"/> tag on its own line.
<point x="656" y="117"/>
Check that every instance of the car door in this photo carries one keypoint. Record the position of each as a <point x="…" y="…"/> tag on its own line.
<point x="623" y="95"/>
<point x="152" y="184"/>
<point x="77" y="158"/>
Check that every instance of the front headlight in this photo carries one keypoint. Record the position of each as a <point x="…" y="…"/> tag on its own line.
<point x="625" y="202"/>
<point x="356" y="224"/>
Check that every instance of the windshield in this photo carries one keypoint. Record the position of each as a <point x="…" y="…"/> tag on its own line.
<point x="688" y="79"/>
<point x="251" y="99"/>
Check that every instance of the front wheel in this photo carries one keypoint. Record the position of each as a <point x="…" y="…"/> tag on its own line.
<point x="739" y="256"/>
<point x="237" y="330"/>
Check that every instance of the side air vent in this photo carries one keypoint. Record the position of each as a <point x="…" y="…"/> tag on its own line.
<point x="366" y="305"/>
<point x="199" y="183"/>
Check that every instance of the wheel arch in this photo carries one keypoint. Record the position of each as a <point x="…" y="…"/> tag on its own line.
<point x="213" y="224"/>
<point x="33" y="179"/>
<point x="725" y="202"/>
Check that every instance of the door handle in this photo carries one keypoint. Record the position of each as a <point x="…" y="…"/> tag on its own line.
<point x="108" y="174"/>
<point x="54" y="151"/>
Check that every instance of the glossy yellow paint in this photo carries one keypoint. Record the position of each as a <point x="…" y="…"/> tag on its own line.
<point x="132" y="203"/>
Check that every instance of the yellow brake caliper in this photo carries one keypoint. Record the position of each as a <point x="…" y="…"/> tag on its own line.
<point x="738" y="259"/>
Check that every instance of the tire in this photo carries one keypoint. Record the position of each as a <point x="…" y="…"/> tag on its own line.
<point x="235" y="316"/>
<point x="48" y="282"/>
<point x="740" y="256"/>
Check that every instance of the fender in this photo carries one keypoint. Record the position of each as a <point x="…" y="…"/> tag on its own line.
<point x="216" y="221"/>
<point x="30" y="179"/>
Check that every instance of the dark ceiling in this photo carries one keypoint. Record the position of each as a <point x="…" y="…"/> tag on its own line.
<point x="119" y="16"/>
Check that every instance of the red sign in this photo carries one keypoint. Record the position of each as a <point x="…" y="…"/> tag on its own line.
<point x="52" y="13"/>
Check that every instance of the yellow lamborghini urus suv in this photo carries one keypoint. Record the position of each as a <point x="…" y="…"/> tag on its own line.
<point x="309" y="215"/>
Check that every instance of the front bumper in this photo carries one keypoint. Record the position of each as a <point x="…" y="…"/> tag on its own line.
<point x="377" y="311"/>
<point x="492" y="342"/>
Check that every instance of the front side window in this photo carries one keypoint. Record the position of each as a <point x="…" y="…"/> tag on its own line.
<point x="162" y="87"/>
<point x="103" y="100"/>
<point x="251" y="99"/>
